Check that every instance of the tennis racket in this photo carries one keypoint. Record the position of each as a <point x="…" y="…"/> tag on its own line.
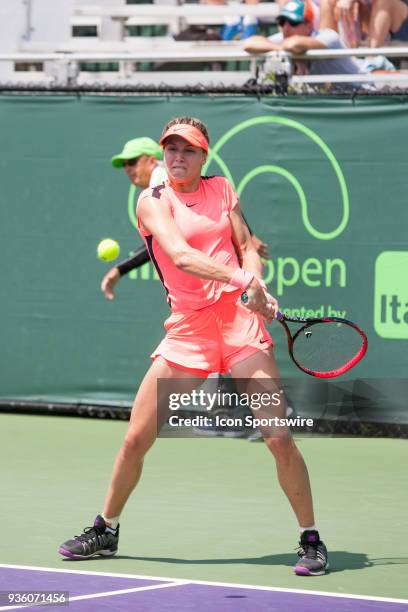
<point x="326" y="347"/>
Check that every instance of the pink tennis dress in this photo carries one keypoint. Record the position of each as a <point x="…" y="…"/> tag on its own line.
<point x="209" y="329"/>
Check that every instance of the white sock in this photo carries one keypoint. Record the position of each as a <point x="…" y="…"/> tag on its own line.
<point x="302" y="529"/>
<point x="112" y="522"/>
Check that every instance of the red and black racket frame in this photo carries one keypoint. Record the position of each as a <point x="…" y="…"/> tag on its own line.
<point x="310" y="323"/>
<point x="307" y="323"/>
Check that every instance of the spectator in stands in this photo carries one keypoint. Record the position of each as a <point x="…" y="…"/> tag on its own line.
<point x="315" y="5"/>
<point x="379" y="20"/>
<point x="349" y="17"/>
<point x="297" y="36"/>
<point x="389" y="18"/>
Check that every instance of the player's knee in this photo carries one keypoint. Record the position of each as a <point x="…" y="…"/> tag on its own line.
<point x="135" y="445"/>
<point x="282" y="448"/>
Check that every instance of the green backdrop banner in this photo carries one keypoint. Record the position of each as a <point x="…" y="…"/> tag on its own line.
<point x="322" y="181"/>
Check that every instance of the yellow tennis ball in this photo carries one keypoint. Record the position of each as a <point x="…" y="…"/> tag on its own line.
<point x="108" y="250"/>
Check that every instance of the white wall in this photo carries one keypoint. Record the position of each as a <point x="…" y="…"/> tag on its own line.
<point x="12" y="24"/>
<point x="111" y="29"/>
<point x="51" y="20"/>
<point x="48" y="22"/>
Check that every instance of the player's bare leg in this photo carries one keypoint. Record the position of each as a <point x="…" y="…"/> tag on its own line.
<point x="146" y="419"/>
<point x="291" y="468"/>
<point x="141" y="434"/>
<point x="292" y="471"/>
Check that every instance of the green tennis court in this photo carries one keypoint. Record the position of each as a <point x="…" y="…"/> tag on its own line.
<point x="206" y="510"/>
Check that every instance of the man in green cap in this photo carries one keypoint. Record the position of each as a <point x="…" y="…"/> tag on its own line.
<point x="141" y="160"/>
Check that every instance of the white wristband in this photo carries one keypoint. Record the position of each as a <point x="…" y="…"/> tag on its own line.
<point x="241" y="278"/>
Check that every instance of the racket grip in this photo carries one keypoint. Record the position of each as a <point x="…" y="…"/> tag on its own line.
<point x="244" y="300"/>
<point x="244" y="295"/>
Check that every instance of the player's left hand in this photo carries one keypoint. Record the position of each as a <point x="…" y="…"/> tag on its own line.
<point x="260" y="247"/>
<point x="109" y="282"/>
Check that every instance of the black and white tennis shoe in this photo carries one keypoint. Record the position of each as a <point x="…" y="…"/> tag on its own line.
<point x="313" y="559"/>
<point x="97" y="540"/>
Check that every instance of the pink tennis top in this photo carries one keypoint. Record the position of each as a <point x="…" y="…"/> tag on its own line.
<point x="203" y="218"/>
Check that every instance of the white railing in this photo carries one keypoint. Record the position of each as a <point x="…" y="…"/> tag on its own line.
<point x="198" y="52"/>
<point x="67" y="64"/>
<point x="177" y="52"/>
<point x="177" y="17"/>
<point x="263" y="9"/>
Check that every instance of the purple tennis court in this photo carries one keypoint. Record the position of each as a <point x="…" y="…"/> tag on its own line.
<point x="90" y="591"/>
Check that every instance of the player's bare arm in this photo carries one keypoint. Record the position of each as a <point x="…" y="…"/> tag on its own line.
<point x="243" y="243"/>
<point x="258" y="301"/>
<point x="156" y="218"/>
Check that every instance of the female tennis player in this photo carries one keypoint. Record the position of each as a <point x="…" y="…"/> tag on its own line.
<point x="202" y="251"/>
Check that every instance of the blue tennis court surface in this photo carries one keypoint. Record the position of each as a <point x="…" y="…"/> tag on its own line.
<point x="90" y="591"/>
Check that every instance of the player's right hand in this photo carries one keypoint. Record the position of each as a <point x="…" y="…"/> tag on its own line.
<point x="260" y="301"/>
<point x="108" y="283"/>
<point x="272" y="307"/>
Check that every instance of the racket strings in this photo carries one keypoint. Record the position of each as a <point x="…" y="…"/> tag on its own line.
<point x="325" y="347"/>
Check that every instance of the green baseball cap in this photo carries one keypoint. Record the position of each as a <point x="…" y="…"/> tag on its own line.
<point x="136" y="148"/>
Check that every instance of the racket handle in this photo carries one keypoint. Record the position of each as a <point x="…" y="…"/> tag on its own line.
<point x="245" y="299"/>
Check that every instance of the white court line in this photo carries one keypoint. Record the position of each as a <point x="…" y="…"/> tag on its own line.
<point x="105" y="594"/>
<point x="209" y="583"/>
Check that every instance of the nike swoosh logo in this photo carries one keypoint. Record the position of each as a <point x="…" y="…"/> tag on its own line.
<point x="190" y="205"/>
<point x="263" y="341"/>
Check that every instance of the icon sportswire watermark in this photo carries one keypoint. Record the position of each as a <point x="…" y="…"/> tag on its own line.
<point x="220" y="403"/>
